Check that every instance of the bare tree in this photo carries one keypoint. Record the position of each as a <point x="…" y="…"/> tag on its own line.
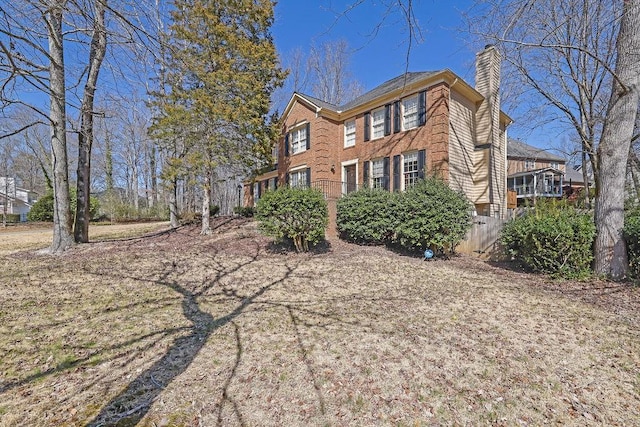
<point x="565" y="51"/>
<point x="332" y="81"/>
<point x="97" y="51"/>
<point x="558" y="62"/>
<point x="613" y="151"/>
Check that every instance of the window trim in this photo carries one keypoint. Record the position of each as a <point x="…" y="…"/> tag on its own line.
<point x="298" y="170"/>
<point x="302" y="143"/>
<point x="380" y="123"/>
<point x="347" y="143"/>
<point x="403" y="175"/>
<point x="416" y="113"/>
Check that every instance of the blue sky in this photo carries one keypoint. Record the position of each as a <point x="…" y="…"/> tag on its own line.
<point x="299" y="24"/>
<point x="381" y="57"/>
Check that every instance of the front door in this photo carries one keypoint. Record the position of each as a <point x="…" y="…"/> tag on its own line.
<point x="350" y="178"/>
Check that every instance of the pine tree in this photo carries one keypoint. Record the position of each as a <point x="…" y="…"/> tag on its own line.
<point x="221" y="69"/>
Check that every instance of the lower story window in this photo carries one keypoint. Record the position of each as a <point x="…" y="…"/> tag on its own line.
<point x="410" y="168"/>
<point x="377" y="173"/>
<point x="298" y="179"/>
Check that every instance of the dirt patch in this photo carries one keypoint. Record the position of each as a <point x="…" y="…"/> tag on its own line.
<point x="181" y="329"/>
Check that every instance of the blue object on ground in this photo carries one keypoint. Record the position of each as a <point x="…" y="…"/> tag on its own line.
<point x="428" y="254"/>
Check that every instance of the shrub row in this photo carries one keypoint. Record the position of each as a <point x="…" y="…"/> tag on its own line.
<point x="428" y="215"/>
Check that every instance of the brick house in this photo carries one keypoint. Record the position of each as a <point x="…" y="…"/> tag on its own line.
<point x="533" y="173"/>
<point x="417" y="124"/>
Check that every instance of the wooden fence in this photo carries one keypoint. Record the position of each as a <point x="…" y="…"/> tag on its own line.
<point x="483" y="238"/>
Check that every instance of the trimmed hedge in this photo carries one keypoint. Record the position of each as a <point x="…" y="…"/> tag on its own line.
<point x="553" y="238"/>
<point x="432" y="215"/>
<point x="367" y="216"/>
<point x="300" y="215"/>
<point x="428" y="215"/>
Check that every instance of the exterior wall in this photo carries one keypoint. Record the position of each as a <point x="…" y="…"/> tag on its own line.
<point x="433" y="137"/>
<point x="465" y="162"/>
<point x="516" y="165"/>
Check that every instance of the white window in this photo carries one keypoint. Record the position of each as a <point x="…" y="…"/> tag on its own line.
<point x="298" y="179"/>
<point x="377" y="123"/>
<point x="529" y="164"/>
<point x="410" y="113"/>
<point x="410" y="169"/>
<point x="555" y="165"/>
<point x="298" y="139"/>
<point x="350" y="133"/>
<point x="377" y="173"/>
<point x="274" y="153"/>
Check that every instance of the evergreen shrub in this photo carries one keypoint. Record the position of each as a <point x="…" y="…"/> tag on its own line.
<point x="552" y="238"/>
<point x="367" y="216"/>
<point x="432" y="215"/>
<point x="295" y="214"/>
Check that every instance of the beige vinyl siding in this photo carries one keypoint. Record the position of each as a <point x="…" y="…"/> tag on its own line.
<point x="465" y="161"/>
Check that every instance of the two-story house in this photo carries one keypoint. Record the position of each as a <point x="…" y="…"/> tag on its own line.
<point x="17" y="200"/>
<point x="417" y="124"/>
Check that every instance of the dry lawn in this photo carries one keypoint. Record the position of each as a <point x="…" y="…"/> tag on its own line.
<point x="181" y="329"/>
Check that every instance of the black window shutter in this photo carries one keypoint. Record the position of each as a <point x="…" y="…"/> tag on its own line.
<point x="421" y="161"/>
<point x="422" y="108"/>
<point x="286" y="179"/>
<point x="387" y="119"/>
<point x="286" y="144"/>
<point x="396" y="172"/>
<point x="308" y="135"/>
<point x="259" y="189"/>
<point x="365" y="175"/>
<point x="275" y="183"/>
<point x="396" y="117"/>
<point x="308" y="177"/>
<point x="367" y="126"/>
<point x="385" y="173"/>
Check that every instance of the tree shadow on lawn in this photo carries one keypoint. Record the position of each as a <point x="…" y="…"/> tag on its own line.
<point x="132" y="404"/>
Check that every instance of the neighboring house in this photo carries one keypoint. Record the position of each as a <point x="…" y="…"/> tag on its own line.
<point x="534" y="172"/>
<point x="417" y="124"/>
<point x="17" y="200"/>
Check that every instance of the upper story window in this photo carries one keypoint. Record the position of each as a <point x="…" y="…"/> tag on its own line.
<point x="410" y="113"/>
<point x="298" y="138"/>
<point x="274" y="153"/>
<point x="350" y="133"/>
<point x="410" y="169"/>
<point x="377" y="123"/>
<point x="529" y="164"/>
<point x="555" y="165"/>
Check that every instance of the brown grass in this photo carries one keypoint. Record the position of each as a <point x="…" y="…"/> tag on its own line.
<point x="182" y="329"/>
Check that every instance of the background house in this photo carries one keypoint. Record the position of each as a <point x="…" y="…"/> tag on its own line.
<point x="419" y="123"/>
<point x="18" y="201"/>
<point x="534" y="172"/>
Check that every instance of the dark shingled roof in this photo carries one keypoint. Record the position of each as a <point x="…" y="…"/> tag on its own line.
<point x="378" y="91"/>
<point x="517" y="148"/>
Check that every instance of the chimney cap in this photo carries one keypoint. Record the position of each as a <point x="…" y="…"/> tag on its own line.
<point x="487" y="46"/>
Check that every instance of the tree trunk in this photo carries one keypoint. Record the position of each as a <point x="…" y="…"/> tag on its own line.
<point x="613" y="151"/>
<point x="85" y="137"/>
<point x="62" y="235"/>
<point x="206" y="202"/>
<point x="173" y="203"/>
